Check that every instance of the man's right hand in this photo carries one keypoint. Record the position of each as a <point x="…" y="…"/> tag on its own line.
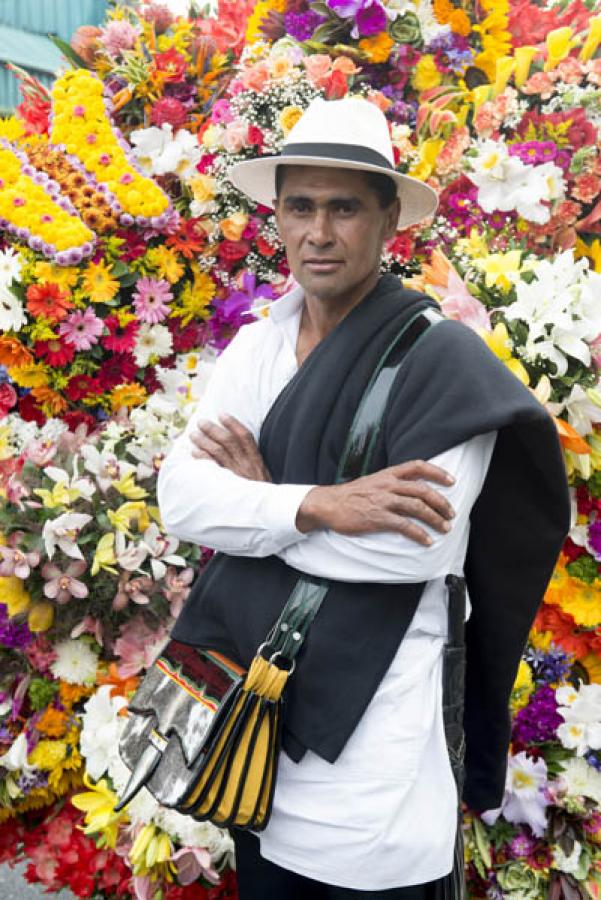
<point x="389" y="500"/>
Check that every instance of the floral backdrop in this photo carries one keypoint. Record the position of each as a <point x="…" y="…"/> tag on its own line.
<point x="128" y="261"/>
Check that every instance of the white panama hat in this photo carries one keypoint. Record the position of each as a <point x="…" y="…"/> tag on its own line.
<point x="340" y="134"/>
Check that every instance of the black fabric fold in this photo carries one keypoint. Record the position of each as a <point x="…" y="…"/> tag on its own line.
<point x="450" y="389"/>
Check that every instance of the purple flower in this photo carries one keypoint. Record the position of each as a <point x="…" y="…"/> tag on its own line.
<point x="538" y="721"/>
<point x="371" y="19"/>
<point x="13" y="634"/>
<point x="534" y="152"/>
<point x="301" y="26"/>
<point x="594" y="538"/>
<point x="522" y="845"/>
<point x="346" y="8"/>
<point x="549" y="667"/>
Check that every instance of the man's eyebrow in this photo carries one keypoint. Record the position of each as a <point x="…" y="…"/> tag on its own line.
<point x="332" y="201"/>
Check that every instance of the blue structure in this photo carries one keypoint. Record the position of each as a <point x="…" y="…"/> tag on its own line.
<point x="24" y="29"/>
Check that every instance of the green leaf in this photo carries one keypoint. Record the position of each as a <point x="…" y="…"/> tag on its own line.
<point x="119" y="268"/>
<point x="128" y="280"/>
<point x="68" y="51"/>
<point x="482" y="843"/>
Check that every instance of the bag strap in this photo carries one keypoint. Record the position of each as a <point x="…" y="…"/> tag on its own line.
<point x="287" y="636"/>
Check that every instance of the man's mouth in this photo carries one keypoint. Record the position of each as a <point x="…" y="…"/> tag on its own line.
<point x="322" y="265"/>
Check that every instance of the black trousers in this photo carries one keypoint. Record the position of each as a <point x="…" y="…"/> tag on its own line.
<point x="259" y="879"/>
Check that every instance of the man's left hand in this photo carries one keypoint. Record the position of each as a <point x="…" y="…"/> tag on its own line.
<point x="231" y="446"/>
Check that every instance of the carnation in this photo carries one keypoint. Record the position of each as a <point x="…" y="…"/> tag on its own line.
<point x="75" y="662"/>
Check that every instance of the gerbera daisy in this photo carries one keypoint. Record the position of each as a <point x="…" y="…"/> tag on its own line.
<point x="48" y="301"/>
<point x="189" y="239"/>
<point x="52" y="404"/>
<point x="65" y="276"/>
<point x="56" y="352"/>
<point x="128" y="395"/>
<point x="166" y="263"/>
<point x="152" y="341"/>
<point x="81" y="386"/>
<point x="119" y="368"/>
<point x="98" y="283"/>
<point x="82" y="329"/>
<point x="151" y="300"/>
<point x="121" y="338"/>
<point x="13" y="353"/>
<point x="33" y="374"/>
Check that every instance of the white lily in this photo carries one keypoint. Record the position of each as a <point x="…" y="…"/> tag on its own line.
<point x="15" y="759"/>
<point x="161" y="548"/>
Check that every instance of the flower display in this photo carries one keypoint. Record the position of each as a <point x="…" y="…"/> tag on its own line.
<point x="128" y="261"/>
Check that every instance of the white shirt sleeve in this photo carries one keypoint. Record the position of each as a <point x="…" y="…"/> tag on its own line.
<point x="202" y="502"/>
<point x="391" y="557"/>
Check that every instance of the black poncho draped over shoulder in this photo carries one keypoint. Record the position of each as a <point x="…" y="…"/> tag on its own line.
<point x="450" y="389"/>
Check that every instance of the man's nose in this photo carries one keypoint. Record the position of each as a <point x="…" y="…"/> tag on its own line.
<point x="320" y="234"/>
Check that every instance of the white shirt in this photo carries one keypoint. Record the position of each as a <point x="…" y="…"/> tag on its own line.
<point x="383" y="815"/>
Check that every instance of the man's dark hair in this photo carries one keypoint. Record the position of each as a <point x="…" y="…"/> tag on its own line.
<point x="378" y="182"/>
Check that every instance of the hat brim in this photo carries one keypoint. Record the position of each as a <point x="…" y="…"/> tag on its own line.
<point x="256" y="179"/>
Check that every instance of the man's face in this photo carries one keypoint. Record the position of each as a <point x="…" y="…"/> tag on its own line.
<point x="334" y="228"/>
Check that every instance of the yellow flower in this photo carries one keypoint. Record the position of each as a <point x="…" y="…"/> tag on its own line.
<point x="151" y="847"/>
<point x="11" y="128"/>
<point x="166" y="263"/>
<point x="592" y="664"/>
<point x="496" y="266"/>
<point x="262" y="8"/>
<point x="41" y="616"/>
<point x="378" y="47"/>
<point x="523" y="60"/>
<point x="288" y="118"/>
<point x="426" y="75"/>
<point x="500" y="344"/>
<point x="32" y="375"/>
<point x="504" y="68"/>
<point x="541" y="640"/>
<point x="581" y="601"/>
<point x="134" y="511"/>
<point x="559" y="43"/>
<point x="128" y="395"/>
<point x="98" y="283"/>
<point x="195" y="298"/>
<point x="65" y="276"/>
<point x="48" y="754"/>
<point x="98" y="804"/>
<point x="60" y="495"/>
<point x="593" y="39"/>
<point x="591" y="251"/>
<point x="523" y="687"/>
<point x="203" y="188"/>
<point x="127" y="487"/>
<point x="475" y="246"/>
<point x="105" y="558"/>
<point x="233" y="227"/>
<point x="14" y="595"/>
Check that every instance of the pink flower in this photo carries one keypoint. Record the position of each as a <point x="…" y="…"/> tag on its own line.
<point x="40" y="452"/>
<point x="539" y="83"/>
<point x="221" y="113"/>
<point x="15" y="562"/>
<point x="137" y="646"/>
<point x="255" y="78"/>
<point x="570" y="70"/>
<point x="82" y="329"/>
<point x="170" y="111"/>
<point x="235" y="136"/>
<point x="317" y="68"/>
<point x="118" y="36"/>
<point x="459" y="304"/>
<point x="89" y="625"/>
<point x="593" y="69"/>
<point x="132" y="589"/>
<point x="61" y="586"/>
<point x="177" y="587"/>
<point x="150" y="299"/>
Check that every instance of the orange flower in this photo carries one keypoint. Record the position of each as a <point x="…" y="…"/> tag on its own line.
<point x="120" y="686"/>
<point x="460" y="23"/>
<point x="52" y="403"/>
<point x="378" y="47"/>
<point x="48" y="301"/>
<point x="53" y="722"/>
<point x="13" y="353"/>
<point x="73" y="693"/>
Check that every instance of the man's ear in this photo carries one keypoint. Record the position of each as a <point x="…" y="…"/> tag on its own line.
<point x="392" y="218"/>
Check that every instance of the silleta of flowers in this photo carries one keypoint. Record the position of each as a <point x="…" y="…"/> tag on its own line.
<point x="128" y="261"/>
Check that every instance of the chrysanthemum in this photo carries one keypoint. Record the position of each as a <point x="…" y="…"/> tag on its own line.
<point x="98" y="283"/>
<point x="48" y="301"/>
<point x="151" y="299"/>
<point x="75" y="662"/>
<point x="166" y="262"/>
<point x="82" y="329"/>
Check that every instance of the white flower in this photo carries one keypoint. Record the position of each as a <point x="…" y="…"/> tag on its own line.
<point x="104" y="466"/>
<point x="143" y="808"/>
<point x="583" y="408"/>
<point x="506" y="183"/>
<point x="75" y="662"/>
<point x="580" y="779"/>
<point x="160" y="153"/>
<point x="15" y="759"/>
<point x="581" y="712"/>
<point x="161" y="547"/>
<point x="525" y="797"/>
<point x="12" y="312"/>
<point x="10" y="266"/>
<point x="82" y="485"/>
<point x="152" y="341"/>
<point x="102" y="725"/>
<point x="129" y="556"/>
<point x="568" y="863"/>
<point x="63" y="532"/>
<point x="195" y="834"/>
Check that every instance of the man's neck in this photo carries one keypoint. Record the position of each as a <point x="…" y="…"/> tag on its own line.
<point x="320" y="316"/>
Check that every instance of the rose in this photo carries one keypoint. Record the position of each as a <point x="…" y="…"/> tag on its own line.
<point x="317" y="68"/>
<point x="265" y="248"/>
<point x="233" y="227"/>
<point x="336" y="85"/>
<point x="235" y="137"/>
<point x="8" y="398"/>
<point x="254" y="78"/>
<point x="231" y="252"/>
<point x="288" y="118"/>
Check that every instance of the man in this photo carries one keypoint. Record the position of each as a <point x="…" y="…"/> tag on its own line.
<point x="365" y="802"/>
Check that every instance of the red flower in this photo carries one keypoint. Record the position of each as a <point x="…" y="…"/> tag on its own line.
<point x="76" y="417"/>
<point x="56" y="352"/>
<point x="48" y="301"/>
<point x="171" y="65"/>
<point x="30" y="411"/>
<point x="121" y="338"/>
<point x="265" y="248"/>
<point x="81" y="386"/>
<point x="118" y="368"/>
<point x="231" y="252"/>
<point x="35" y="114"/>
<point x="401" y="247"/>
<point x="8" y="398"/>
<point x="336" y="85"/>
<point x="572" y="550"/>
<point x="168" y="111"/>
<point x="254" y="136"/>
<point x="196" y="334"/>
<point x="135" y="245"/>
<point x="189" y="239"/>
